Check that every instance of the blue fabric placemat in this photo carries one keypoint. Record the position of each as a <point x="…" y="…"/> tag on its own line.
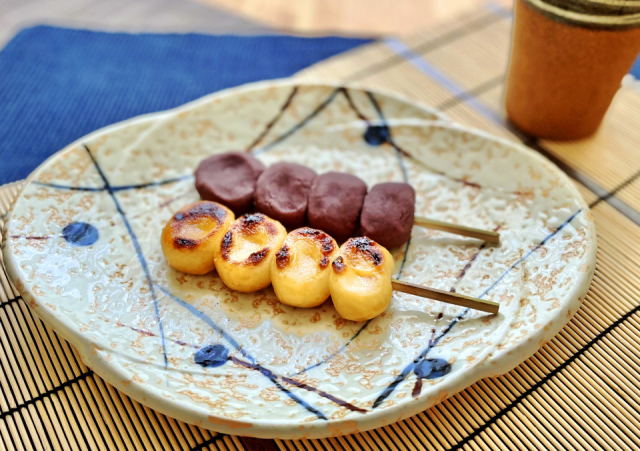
<point x="635" y="69"/>
<point x="58" y="84"/>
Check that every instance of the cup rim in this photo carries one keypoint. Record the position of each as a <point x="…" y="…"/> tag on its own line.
<point x="611" y="19"/>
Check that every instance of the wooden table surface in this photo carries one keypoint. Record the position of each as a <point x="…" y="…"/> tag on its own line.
<point x="359" y="17"/>
<point x="353" y="17"/>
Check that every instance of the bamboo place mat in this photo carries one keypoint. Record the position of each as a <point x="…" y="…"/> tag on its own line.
<point x="580" y="391"/>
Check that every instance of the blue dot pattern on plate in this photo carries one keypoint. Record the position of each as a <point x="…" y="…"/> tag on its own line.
<point x="80" y="234"/>
<point x="212" y="355"/>
<point x="432" y="368"/>
<point x="377" y="135"/>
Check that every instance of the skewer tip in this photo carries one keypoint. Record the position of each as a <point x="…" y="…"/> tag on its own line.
<point x="446" y="296"/>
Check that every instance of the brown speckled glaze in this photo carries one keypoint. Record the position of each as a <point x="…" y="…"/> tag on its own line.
<point x="563" y="76"/>
<point x="296" y="373"/>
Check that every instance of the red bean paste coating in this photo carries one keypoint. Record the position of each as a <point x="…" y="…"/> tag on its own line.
<point x="230" y="179"/>
<point x="387" y="214"/>
<point x="282" y="192"/>
<point x="335" y="202"/>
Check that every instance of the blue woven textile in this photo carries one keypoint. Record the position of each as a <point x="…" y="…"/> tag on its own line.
<point x="58" y="84"/>
<point x="635" y="69"/>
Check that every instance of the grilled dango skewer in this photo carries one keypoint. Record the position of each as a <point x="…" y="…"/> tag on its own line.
<point x="360" y="280"/>
<point x="246" y="251"/>
<point x="300" y="272"/>
<point x="192" y="236"/>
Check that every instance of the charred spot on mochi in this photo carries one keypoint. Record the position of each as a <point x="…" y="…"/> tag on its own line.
<point x="272" y="230"/>
<point x="376" y="256"/>
<point x="432" y="368"/>
<point x="225" y="246"/>
<point x="327" y="245"/>
<point x="203" y="209"/>
<point x="324" y="262"/>
<point x="210" y="209"/>
<point x="283" y="257"/>
<point x="211" y="356"/>
<point x="257" y="257"/>
<point x="250" y="223"/>
<point x="80" y="234"/>
<point x="326" y="242"/>
<point x="369" y="248"/>
<point x="253" y="219"/>
<point x="362" y="243"/>
<point x="184" y="243"/>
<point x="338" y="265"/>
<point x="377" y="135"/>
<point x="308" y="231"/>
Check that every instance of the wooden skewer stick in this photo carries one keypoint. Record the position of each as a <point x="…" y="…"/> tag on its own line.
<point x="445" y="296"/>
<point x="486" y="235"/>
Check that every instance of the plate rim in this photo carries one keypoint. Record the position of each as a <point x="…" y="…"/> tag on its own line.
<point x="267" y="428"/>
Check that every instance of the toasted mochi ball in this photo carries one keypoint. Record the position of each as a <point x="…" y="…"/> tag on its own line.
<point x="335" y="202"/>
<point x="282" y="192"/>
<point x="387" y="213"/>
<point x="246" y="251"/>
<point x="229" y="178"/>
<point x="360" y="280"/>
<point x="192" y="236"/>
<point x="300" y="272"/>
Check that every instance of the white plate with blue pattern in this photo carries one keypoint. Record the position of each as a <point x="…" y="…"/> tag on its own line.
<point x="82" y="245"/>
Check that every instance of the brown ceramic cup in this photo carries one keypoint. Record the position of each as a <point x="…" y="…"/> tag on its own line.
<point x="568" y="58"/>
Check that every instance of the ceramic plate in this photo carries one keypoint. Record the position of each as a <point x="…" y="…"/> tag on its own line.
<point x="82" y="245"/>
